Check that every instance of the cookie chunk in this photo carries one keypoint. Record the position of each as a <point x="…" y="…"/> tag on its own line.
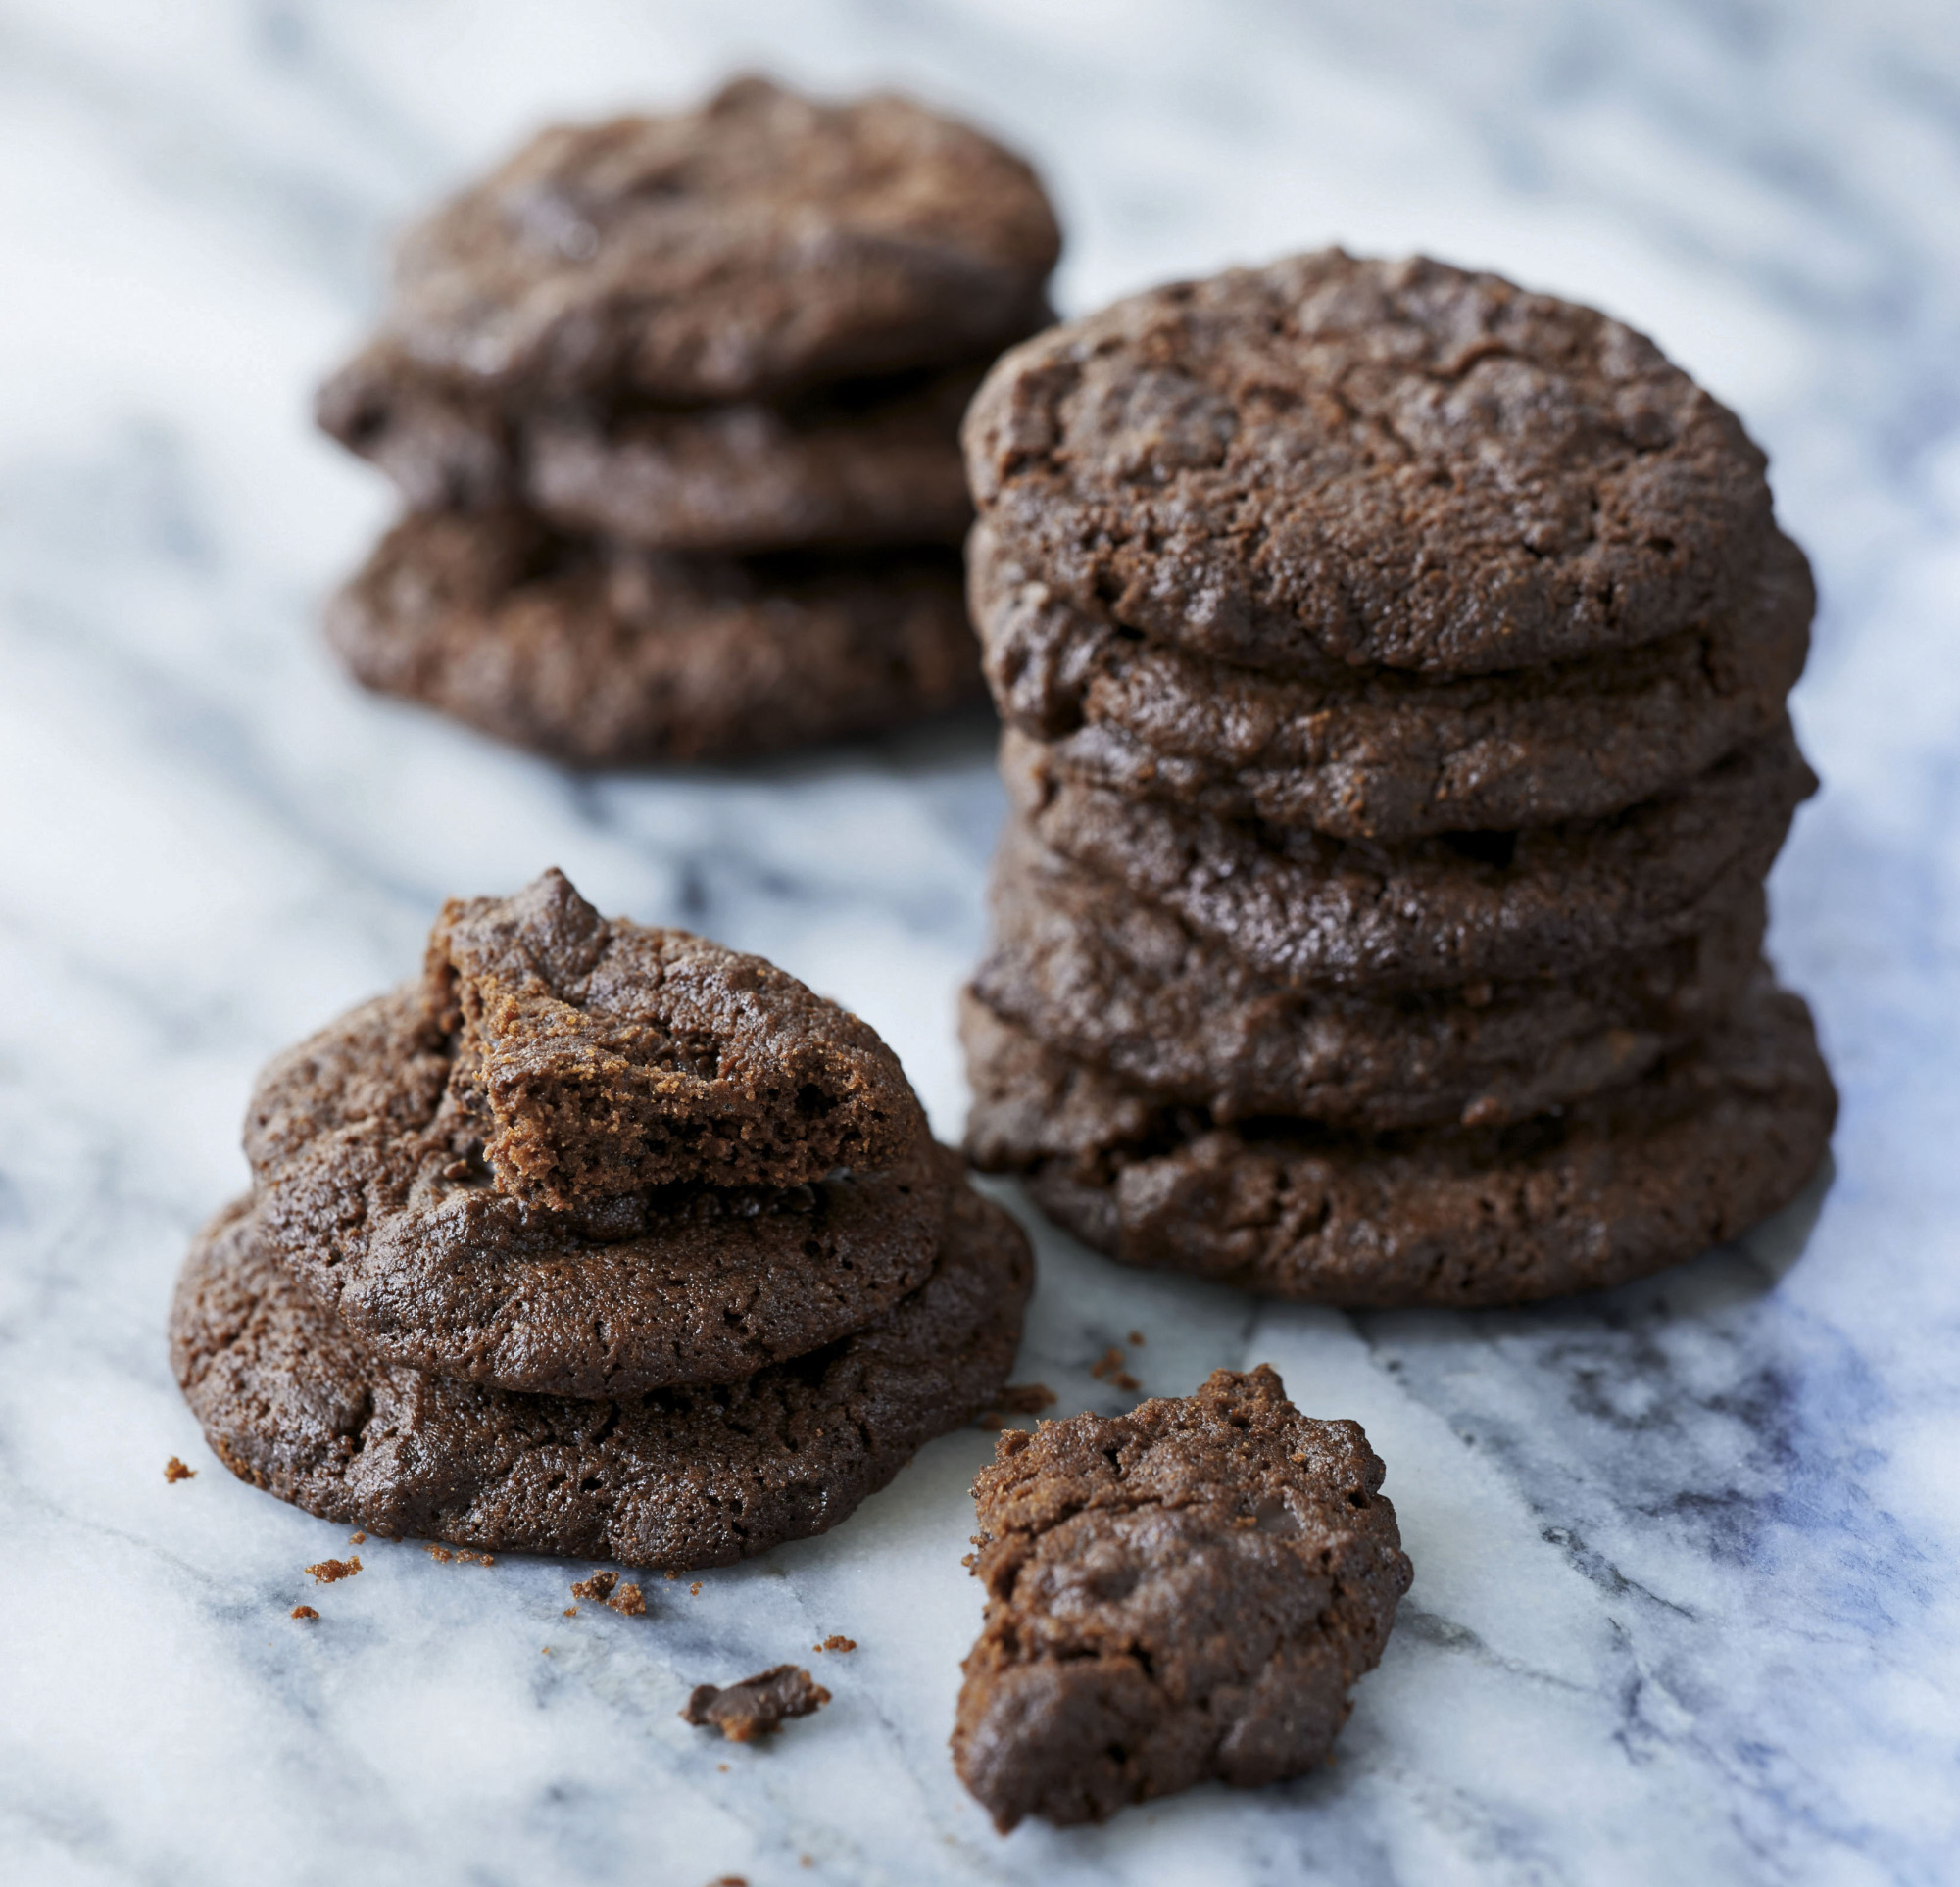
<point x="600" y="1058"/>
<point x="861" y="463"/>
<point x="587" y="1159"/>
<point x="294" y="1402"/>
<point x="756" y="244"/>
<point x="1380" y="753"/>
<point x="1696" y="1151"/>
<point x="1391" y="462"/>
<point x="601" y="655"/>
<point x="1123" y="984"/>
<point x="1309" y="910"/>
<point x="1177" y="1595"/>
<point x="757" y="1706"/>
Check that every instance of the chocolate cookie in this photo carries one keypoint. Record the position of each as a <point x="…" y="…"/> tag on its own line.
<point x="758" y="243"/>
<point x="597" y="1058"/>
<point x="1391" y="462"/>
<point x="1697" y="1150"/>
<point x="605" y="656"/>
<point x="1379" y="753"/>
<point x="1102" y="978"/>
<point x="293" y="1402"/>
<point x="1309" y="910"/>
<point x="1180" y="1594"/>
<point x="414" y="1164"/>
<point x="862" y="462"/>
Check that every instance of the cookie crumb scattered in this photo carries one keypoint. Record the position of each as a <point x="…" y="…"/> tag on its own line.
<point x="757" y="1705"/>
<point x="694" y="1591"/>
<point x="1108" y="1367"/>
<point x="357" y="1540"/>
<point x="629" y="1601"/>
<point x="329" y="1571"/>
<point x="1016" y="1399"/>
<point x="836" y="1642"/>
<point x="1135" y="1340"/>
<point x="175" y="1471"/>
<point x="304" y="1612"/>
<point x="445" y="1554"/>
<point x="598" y="1588"/>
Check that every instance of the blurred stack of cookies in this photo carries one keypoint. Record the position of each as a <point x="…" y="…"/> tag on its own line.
<point x="594" y="1238"/>
<point x="1395" y="667"/>
<point x="674" y="405"/>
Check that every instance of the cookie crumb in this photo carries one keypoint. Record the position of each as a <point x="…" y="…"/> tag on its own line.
<point x="304" y="1612"/>
<point x="756" y="1705"/>
<point x="544" y="1650"/>
<point x="1108" y="1367"/>
<point x="598" y="1588"/>
<point x="328" y="1570"/>
<point x="441" y="1552"/>
<point x="694" y="1591"/>
<point x="175" y="1471"/>
<point x="571" y="1611"/>
<point x="357" y="1540"/>
<point x="1135" y="1340"/>
<point x="836" y="1642"/>
<point x="629" y="1601"/>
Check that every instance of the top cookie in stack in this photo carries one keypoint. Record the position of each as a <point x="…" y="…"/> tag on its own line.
<point x="1395" y="665"/>
<point x="675" y="402"/>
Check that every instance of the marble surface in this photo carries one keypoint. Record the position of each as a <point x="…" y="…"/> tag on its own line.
<point x="1686" y="1602"/>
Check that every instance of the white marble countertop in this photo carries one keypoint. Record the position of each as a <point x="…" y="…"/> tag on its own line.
<point x="1686" y="1604"/>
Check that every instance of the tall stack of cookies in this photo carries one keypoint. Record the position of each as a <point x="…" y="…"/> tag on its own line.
<point x="674" y="405"/>
<point x="595" y="1238"/>
<point x="1395" y="667"/>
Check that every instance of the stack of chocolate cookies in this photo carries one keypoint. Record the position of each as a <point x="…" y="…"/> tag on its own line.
<point x="1395" y="667"/>
<point x="599" y="1239"/>
<point x="674" y="403"/>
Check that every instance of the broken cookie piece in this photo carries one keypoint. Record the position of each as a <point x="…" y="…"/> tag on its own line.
<point x="601" y="1058"/>
<point x="1179" y="1594"/>
<point x="757" y="1706"/>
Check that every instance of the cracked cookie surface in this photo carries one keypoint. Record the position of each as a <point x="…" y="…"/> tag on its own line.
<point x="294" y="1401"/>
<point x="587" y="1157"/>
<point x="1380" y="753"/>
<point x="1184" y="1593"/>
<point x="1339" y="461"/>
<point x="758" y="243"/>
<point x="1703" y="1145"/>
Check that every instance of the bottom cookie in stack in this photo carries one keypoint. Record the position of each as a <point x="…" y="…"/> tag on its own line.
<point x="601" y="1240"/>
<point x="1709" y="1140"/>
<point x="607" y="654"/>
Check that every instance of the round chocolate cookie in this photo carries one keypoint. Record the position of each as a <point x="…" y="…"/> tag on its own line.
<point x="1697" y="1150"/>
<point x="374" y="1193"/>
<point x="1309" y="910"/>
<point x="1391" y="462"/>
<point x="868" y="461"/>
<point x="295" y="1403"/>
<point x="605" y="656"/>
<point x="864" y="463"/>
<point x="758" y="243"/>
<point x="1102" y="978"/>
<point x="1380" y="753"/>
